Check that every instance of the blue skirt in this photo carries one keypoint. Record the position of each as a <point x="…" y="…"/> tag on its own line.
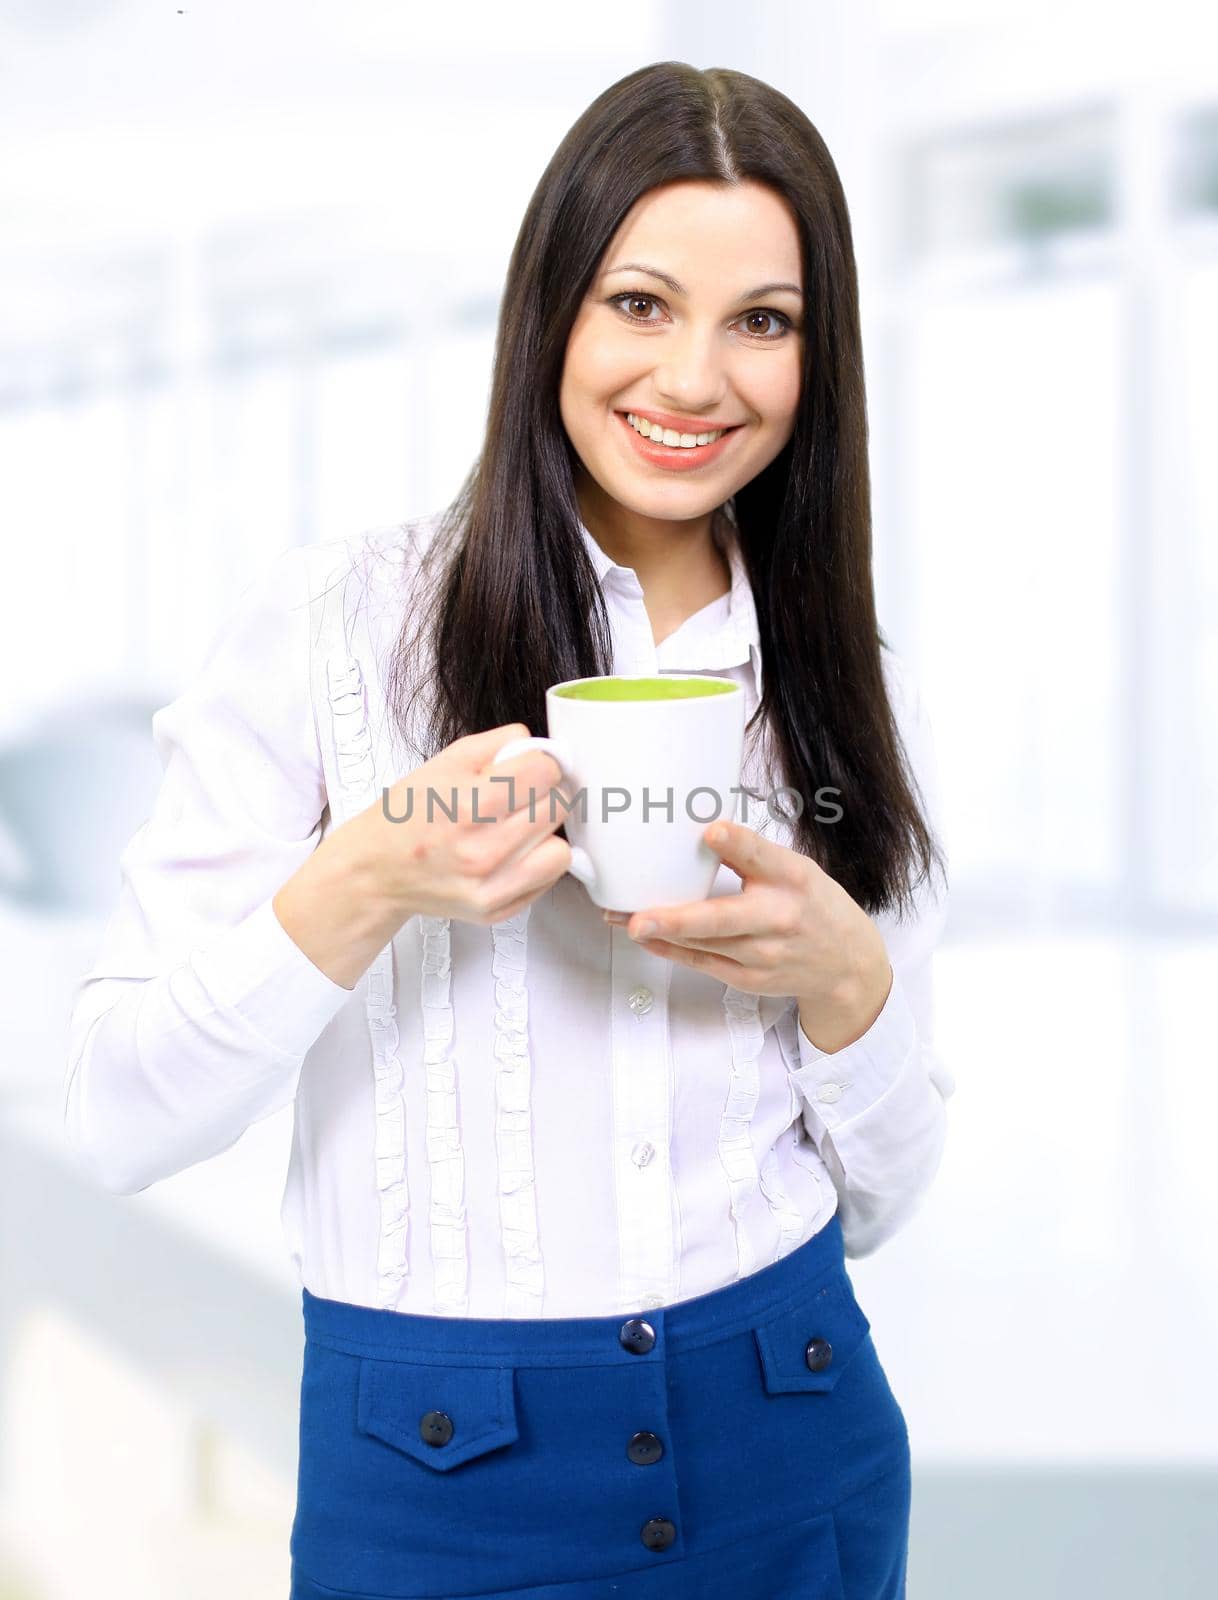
<point x="743" y="1443"/>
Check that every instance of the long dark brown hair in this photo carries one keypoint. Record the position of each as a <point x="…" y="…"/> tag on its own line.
<point x="516" y="605"/>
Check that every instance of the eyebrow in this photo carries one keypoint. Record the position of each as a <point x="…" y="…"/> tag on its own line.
<point x="654" y="272"/>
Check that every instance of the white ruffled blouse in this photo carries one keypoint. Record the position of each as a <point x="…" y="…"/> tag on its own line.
<point x="538" y="1118"/>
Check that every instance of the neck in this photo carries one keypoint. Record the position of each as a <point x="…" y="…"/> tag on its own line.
<point x="679" y="565"/>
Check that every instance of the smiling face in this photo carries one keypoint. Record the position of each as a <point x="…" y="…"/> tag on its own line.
<point x="693" y="323"/>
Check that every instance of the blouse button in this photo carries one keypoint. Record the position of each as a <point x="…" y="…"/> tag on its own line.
<point x="642" y="1153"/>
<point x="829" y="1092"/>
<point x="640" y="1001"/>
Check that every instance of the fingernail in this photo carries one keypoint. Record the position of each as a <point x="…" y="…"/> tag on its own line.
<point x="617" y="916"/>
<point x="644" y="930"/>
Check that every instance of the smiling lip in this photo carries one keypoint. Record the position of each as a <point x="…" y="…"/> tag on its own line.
<point x="682" y="424"/>
<point x="673" y="457"/>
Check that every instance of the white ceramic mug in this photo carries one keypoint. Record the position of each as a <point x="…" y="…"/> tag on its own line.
<point x="633" y="844"/>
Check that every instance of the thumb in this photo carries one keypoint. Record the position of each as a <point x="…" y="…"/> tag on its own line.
<point x="723" y="836"/>
<point x="737" y="845"/>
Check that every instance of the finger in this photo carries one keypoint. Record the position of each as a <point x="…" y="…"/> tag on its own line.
<point x="535" y="769"/>
<point x="540" y="880"/>
<point x="720" y="967"/>
<point x="516" y="831"/>
<point x="530" y="870"/>
<point x="748" y="854"/>
<point x="504" y="787"/>
<point x="529" y="785"/>
<point x="479" y="749"/>
<point x="532" y="772"/>
<point x="725" y="916"/>
<point x="741" y="950"/>
<point x="505" y="912"/>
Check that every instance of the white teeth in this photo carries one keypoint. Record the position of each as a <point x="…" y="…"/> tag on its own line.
<point x="670" y="436"/>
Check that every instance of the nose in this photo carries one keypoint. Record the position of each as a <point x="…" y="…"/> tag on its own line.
<point x="691" y="378"/>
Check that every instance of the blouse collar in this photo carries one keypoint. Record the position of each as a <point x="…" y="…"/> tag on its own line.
<point x="736" y="640"/>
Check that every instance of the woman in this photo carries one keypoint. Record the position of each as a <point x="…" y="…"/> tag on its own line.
<point x="570" y="1198"/>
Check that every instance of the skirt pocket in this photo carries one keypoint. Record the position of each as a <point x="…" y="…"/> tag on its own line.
<point x="832" y="1404"/>
<point x="808" y="1346"/>
<point x="441" y="1416"/>
<point x="402" y="1465"/>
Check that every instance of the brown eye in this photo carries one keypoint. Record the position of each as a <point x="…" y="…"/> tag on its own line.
<point x="753" y="317"/>
<point x="631" y="301"/>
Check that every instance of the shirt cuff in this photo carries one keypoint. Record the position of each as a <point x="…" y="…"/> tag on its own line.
<point x="840" y="1085"/>
<point x="260" y="972"/>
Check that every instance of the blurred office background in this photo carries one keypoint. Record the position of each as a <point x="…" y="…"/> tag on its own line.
<point x="250" y="258"/>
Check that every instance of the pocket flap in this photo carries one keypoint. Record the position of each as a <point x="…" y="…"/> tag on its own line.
<point x="441" y="1416"/>
<point x="807" y="1346"/>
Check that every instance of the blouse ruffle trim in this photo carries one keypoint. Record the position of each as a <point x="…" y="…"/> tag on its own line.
<point x="524" y="1284"/>
<point x="357" y="776"/>
<point x="745" y="1181"/>
<point x="735" y="1130"/>
<point x="445" y="1156"/>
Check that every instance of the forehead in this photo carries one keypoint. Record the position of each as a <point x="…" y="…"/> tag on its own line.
<point x="706" y="232"/>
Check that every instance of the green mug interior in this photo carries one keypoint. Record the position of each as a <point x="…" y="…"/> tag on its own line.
<point x="637" y="689"/>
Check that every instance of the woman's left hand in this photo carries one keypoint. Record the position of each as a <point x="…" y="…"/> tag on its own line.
<point x="793" y="930"/>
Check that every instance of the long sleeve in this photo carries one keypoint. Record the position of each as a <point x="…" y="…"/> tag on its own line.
<point x="195" y="1019"/>
<point x="876" y="1109"/>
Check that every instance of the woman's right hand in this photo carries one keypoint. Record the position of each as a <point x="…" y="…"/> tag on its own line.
<point x="480" y="870"/>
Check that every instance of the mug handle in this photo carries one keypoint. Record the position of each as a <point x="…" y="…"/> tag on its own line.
<point x="581" y="862"/>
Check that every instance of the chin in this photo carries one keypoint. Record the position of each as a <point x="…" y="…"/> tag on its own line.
<point x="677" y="503"/>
